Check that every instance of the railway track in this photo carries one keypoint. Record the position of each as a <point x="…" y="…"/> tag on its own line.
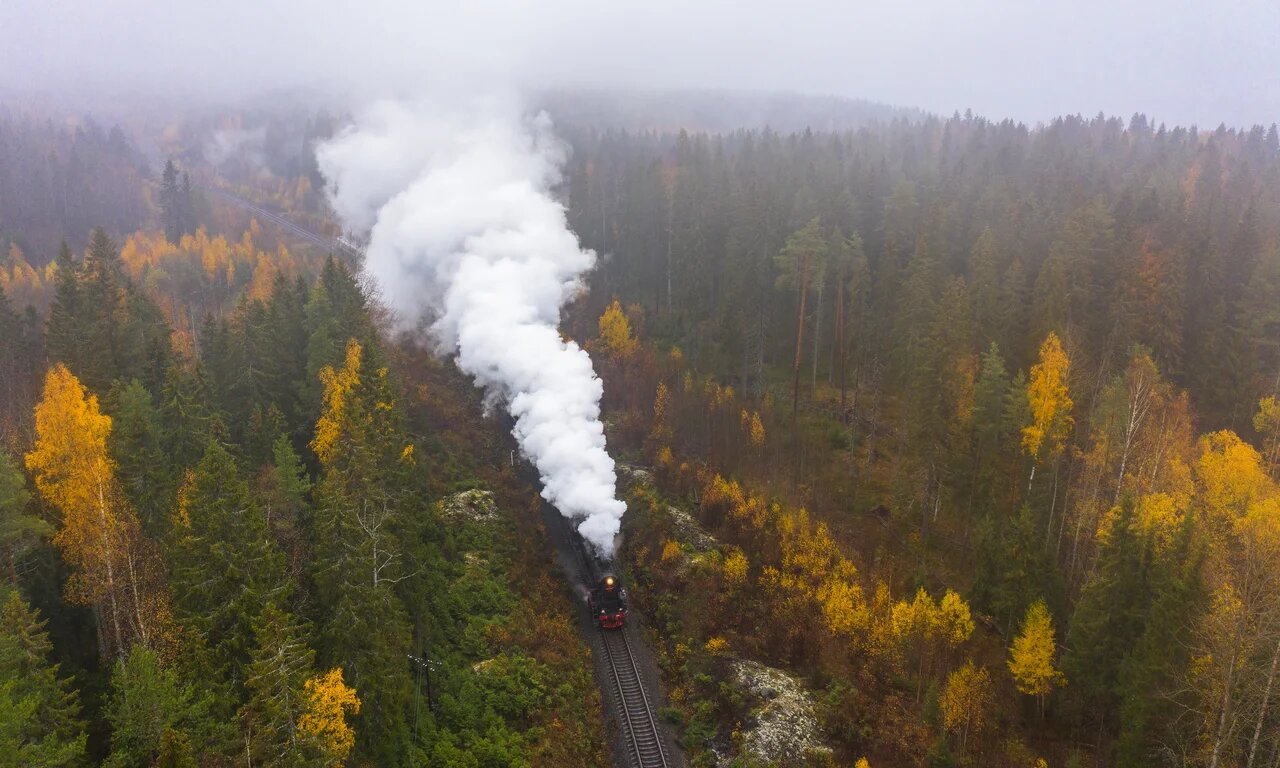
<point x="642" y="734"/>
<point x="271" y="217"/>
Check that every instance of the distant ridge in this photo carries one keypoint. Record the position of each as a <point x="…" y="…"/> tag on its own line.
<point x="715" y="111"/>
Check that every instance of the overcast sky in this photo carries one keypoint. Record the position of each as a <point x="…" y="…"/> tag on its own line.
<point x="1179" y="62"/>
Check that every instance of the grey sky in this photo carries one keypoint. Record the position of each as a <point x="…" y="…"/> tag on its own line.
<point x="1180" y="62"/>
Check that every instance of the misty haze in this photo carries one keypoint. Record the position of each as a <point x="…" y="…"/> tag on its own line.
<point x="572" y="385"/>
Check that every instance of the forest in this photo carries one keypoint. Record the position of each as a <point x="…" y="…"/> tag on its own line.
<point x="973" y="428"/>
<point x="984" y="419"/>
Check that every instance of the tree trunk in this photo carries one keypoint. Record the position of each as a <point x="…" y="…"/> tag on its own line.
<point x="1262" y="711"/>
<point x="111" y="581"/>
<point x="840" y="347"/>
<point x="795" y="371"/>
<point x="817" y="332"/>
<point x="1224" y="706"/>
<point x="670" y="235"/>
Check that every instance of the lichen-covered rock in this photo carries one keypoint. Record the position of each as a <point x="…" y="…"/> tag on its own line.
<point x="476" y="506"/>
<point x="633" y="475"/>
<point x="785" y="725"/>
<point x="689" y="532"/>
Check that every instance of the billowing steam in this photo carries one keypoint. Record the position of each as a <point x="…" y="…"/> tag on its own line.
<point x="465" y="234"/>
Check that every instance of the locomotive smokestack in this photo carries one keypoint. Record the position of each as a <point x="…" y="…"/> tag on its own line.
<point x="465" y="236"/>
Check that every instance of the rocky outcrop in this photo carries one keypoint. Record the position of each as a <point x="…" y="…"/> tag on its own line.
<point x="476" y="506"/>
<point x="784" y="722"/>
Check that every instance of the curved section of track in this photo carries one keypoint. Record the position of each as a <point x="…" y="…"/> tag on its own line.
<point x="638" y="719"/>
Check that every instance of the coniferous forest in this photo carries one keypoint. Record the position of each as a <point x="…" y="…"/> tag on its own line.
<point x="968" y="431"/>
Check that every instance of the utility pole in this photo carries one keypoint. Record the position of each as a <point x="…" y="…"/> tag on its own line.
<point x="422" y="668"/>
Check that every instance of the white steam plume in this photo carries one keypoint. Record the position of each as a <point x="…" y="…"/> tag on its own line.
<point x="464" y="232"/>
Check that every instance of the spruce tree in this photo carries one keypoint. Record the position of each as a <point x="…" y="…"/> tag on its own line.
<point x="360" y="501"/>
<point x="1150" y="674"/>
<point x="64" y="333"/>
<point x="19" y="531"/>
<point x="226" y="567"/>
<point x="187" y="415"/>
<point x="136" y="443"/>
<point x="275" y="679"/>
<point x="172" y="213"/>
<point x="147" y="702"/>
<point x="1109" y="616"/>
<point x="39" y="711"/>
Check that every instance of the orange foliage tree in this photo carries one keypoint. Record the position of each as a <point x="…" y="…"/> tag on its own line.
<point x="114" y="568"/>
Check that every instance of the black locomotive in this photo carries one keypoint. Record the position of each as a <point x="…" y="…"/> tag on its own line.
<point x="608" y="603"/>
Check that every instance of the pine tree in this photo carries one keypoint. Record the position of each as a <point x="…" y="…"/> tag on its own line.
<point x="799" y="262"/>
<point x="39" y="711"/>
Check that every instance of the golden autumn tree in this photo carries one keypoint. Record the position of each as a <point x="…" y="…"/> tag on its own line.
<point x="1031" y="658"/>
<point x="1049" y="401"/>
<point x="661" y="433"/>
<point x="324" y="722"/>
<point x="967" y="702"/>
<point x="114" y="569"/>
<point x="615" y="332"/>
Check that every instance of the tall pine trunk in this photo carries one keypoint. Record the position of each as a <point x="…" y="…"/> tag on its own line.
<point x="840" y="346"/>
<point x="795" y="369"/>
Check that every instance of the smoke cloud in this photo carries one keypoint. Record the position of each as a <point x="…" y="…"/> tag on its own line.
<point x="466" y="237"/>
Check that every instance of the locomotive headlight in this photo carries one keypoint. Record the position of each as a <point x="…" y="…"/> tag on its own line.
<point x="609" y="581"/>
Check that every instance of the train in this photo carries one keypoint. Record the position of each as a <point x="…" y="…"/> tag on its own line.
<point x="607" y="603"/>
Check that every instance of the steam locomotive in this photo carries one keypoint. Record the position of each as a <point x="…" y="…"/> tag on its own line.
<point x="607" y="603"/>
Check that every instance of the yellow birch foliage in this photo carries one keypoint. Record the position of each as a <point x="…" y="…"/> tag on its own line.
<point x="338" y="387"/>
<point x="862" y="763"/>
<point x="72" y="468"/>
<point x="113" y="567"/>
<point x="1231" y="474"/>
<point x="329" y="701"/>
<point x="661" y="431"/>
<point x="1049" y="400"/>
<point x="735" y="569"/>
<point x="967" y="700"/>
<point x="757" y="430"/>
<point x="717" y="646"/>
<point x="615" y="332"/>
<point x="1032" y="654"/>
<point x="954" y="621"/>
